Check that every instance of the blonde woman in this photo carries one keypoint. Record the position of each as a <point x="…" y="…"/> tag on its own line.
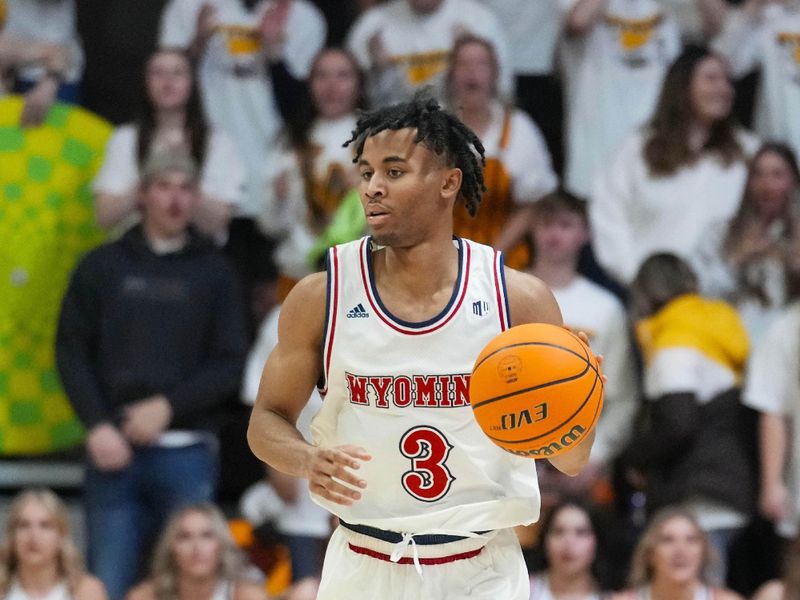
<point x="38" y="559"/>
<point x="672" y="561"/>
<point x="196" y="559"/>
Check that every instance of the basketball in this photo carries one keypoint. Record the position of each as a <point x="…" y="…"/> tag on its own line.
<point x="536" y="390"/>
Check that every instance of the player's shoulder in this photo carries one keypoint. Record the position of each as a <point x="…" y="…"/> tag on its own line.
<point x="310" y="291"/>
<point x="529" y="299"/>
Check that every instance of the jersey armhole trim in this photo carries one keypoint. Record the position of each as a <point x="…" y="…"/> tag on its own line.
<point x="331" y="309"/>
<point x="500" y="288"/>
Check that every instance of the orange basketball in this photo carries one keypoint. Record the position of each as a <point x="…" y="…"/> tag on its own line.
<point x="536" y="390"/>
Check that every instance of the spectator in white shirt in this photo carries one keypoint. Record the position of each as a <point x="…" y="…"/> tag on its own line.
<point x="676" y="178"/>
<point x="171" y="121"/>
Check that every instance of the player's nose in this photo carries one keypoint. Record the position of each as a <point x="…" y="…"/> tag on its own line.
<point x="376" y="187"/>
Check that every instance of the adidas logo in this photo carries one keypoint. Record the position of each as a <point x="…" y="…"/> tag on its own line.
<point x="358" y="312"/>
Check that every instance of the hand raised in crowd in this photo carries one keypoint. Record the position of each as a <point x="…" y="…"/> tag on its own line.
<point x="145" y="420"/>
<point x="108" y="449"/>
<point x="273" y="28"/>
<point x="329" y="471"/>
<point x="206" y="25"/>
<point x="377" y="51"/>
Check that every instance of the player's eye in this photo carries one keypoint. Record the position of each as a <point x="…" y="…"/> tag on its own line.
<point x="365" y="175"/>
<point x="395" y="173"/>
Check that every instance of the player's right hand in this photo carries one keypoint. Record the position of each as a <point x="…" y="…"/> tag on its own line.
<point x="330" y="476"/>
<point x="108" y="449"/>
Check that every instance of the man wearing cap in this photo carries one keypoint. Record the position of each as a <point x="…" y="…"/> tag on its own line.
<point x="150" y="342"/>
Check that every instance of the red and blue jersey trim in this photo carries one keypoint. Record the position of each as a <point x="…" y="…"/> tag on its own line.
<point x="431" y="325"/>
<point x="331" y="307"/>
<point x="500" y="290"/>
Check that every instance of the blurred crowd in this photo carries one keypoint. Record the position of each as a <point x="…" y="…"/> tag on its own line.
<point x="640" y="160"/>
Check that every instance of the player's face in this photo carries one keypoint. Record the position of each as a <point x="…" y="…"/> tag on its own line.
<point x="473" y="78"/>
<point x="771" y="183"/>
<point x="571" y="544"/>
<point x="168" y="201"/>
<point x="334" y="84"/>
<point x="559" y="238"/>
<point x="197" y="550"/>
<point x="678" y="552"/>
<point x="404" y="189"/>
<point x="37" y="535"/>
<point x="169" y="80"/>
<point x="711" y="93"/>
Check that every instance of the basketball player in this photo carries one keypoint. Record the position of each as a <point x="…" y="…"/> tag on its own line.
<point x="426" y="502"/>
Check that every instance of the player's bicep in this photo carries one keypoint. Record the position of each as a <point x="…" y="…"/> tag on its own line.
<point x="294" y="366"/>
<point x="530" y="300"/>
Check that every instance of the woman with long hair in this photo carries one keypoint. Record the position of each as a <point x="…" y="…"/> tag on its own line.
<point x="569" y="536"/>
<point x="310" y="178"/>
<point x="787" y="588"/>
<point x="672" y="561"/>
<point x="38" y="558"/>
<point x="171" y="121"/>
<point x="518" y="169"/>
<point x="745" y="261"/>
<point x="680" y="175"/>
<point x="196" y="559"/>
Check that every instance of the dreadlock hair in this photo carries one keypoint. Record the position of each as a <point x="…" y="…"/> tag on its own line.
<point x="438" y="130"/>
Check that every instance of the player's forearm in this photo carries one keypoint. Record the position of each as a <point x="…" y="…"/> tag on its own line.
<point x="274" y="440"/>
<point x="772" y="451"/>
<point x="571" y="463"/>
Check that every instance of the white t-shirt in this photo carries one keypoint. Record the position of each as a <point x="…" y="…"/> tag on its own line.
<point x="773" y="43"/>
<point x="585" y="306"/>
<point x="50" y="21"/>
<point x="772" y="386"/>
<point x="525" y="157"/>
<point x="634" y="215"/>
<point x="532" y="29"/>
<point x="234" y="81"/>
<point x="420" y="44"/>
<point x="613" y="75"/>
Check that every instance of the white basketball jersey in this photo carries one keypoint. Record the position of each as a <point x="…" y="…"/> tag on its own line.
<point x="401" y="390"/>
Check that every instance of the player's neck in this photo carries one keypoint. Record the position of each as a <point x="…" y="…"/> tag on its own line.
<point x="569" y="585"/>
<point x="555" y="275"/>
<point x="423" y="266"/>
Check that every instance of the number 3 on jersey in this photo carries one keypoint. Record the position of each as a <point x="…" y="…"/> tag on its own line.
<point x="429" y="479"/>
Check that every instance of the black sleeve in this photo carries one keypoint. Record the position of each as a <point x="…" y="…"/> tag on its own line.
<point x="672" y="425"/>
<point x="220" y="375"/>
<point x="289" y="91"/>
<point x="78" y="327"/>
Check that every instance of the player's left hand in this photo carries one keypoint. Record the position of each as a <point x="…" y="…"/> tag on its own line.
<point x="145" y="420"/>
<point x="585" y="339"/>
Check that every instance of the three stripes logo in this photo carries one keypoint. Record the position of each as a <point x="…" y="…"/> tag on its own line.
<point x="358" y="312"/>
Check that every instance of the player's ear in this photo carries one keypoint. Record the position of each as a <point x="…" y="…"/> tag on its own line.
<point x="451" y="183"/>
